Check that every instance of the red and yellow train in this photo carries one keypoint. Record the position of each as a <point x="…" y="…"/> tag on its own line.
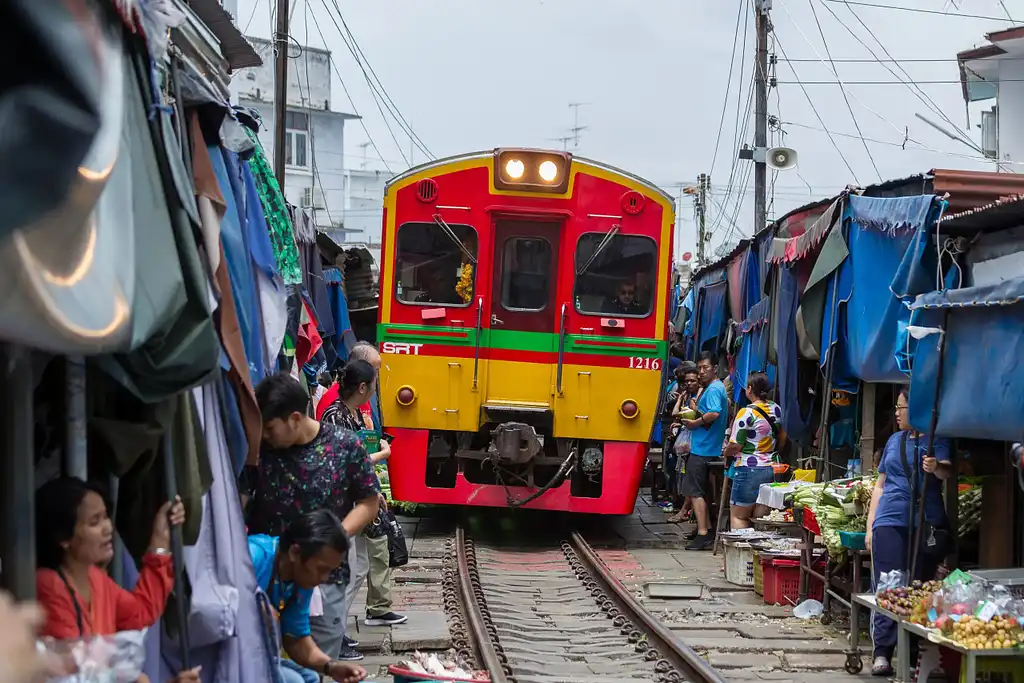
<point x="524" y="319"/>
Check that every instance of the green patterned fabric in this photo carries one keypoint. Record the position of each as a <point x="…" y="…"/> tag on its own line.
<point x="282" y="236"/>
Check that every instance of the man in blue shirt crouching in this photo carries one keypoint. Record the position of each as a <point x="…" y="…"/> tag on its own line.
<point x="288" y="569"/>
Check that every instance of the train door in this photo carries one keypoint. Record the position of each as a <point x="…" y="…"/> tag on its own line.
<point x="524" y="317"/>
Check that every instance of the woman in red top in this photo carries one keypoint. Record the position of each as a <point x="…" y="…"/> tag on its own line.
<point x="74" y="538"/>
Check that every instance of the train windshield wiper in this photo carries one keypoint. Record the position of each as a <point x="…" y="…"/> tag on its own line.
<point x="600" y="248"/>
<point x="454" y="238"/>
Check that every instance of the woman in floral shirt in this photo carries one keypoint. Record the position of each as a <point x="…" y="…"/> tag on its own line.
<point x="756" y="438"/>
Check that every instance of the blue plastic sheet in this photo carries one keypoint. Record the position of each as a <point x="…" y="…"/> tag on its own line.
<point x="753" y="352"/>
<point x="712" y="313"/>
<point x="983" y="371"/>
<point x="238" y="257"/>
<point x="797" y="424"/>
<point x="867" y="320"/>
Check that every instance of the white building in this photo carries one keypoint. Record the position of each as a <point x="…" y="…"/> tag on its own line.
<point x="996" y="72"/>
<point x="315" y="133"/>
<point x="364" y="200"/>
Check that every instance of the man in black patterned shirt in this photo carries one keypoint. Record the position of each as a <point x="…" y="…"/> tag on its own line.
<point x="305" y="466"/>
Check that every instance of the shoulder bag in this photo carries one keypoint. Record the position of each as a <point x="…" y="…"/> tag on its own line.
<point x="937" y="541"/>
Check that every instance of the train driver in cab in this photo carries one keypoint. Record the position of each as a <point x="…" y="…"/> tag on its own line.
<point x="436" y="288"/>
<point x="625" y="302"/>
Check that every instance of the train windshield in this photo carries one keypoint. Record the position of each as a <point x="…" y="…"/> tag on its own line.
<point x="434" y="264"/>
<point x="619" y="280"/>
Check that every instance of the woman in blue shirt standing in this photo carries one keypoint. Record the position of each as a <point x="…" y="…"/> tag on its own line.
<point x="906" y="468"/>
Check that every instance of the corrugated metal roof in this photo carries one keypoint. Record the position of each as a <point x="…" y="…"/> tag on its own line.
<point x="1007" y="212"/>
<point x="974" y="189"/>
<point x="235" y="48"/>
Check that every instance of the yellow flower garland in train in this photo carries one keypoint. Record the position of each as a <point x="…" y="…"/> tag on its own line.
<point x="465" y="286"/>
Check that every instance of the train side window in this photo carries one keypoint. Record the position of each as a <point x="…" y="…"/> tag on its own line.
<point x="431" y="267"/>
<point x="525" y="274"/>
<point x="618" y="275"/>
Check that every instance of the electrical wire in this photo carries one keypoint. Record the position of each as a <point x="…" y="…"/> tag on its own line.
<point x="849" y="107"/>
<point x="936" y="82"/>
<point x="728" y="83"/>
<point x="360" y="57"/>
<point x="738" y="135"/>
<point x="918" y="146"/>
<point x="1008" y="15"/>
<point x="817" y="115"/>
<point x="919" y="10"/>
<point x="312" y="137"/>
<point x="834" y="73"/>
<point x="255" y="6"/>
<point x="908" y="60"/>
<point x="351" y="102"/>
<point x="916" y="89"/>
<point x="373" y="94"/>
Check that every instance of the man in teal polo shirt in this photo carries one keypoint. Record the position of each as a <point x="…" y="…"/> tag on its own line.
<point x="708" y="436"/>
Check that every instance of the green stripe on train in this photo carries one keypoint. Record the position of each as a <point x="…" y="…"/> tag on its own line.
<point x="544" y="342"/>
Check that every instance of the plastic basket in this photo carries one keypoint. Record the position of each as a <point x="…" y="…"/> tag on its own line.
<point x="782" y="582"/>
<point x="854" y="540"/>
<point x="739" y="563"/>
<point x="402" y="675"/>
<point x="758" y="574"/>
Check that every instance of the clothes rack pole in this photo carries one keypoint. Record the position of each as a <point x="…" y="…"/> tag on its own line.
<point x="17" y="453"/>
<point x="915" y="536"/>
<point x="76" y="453"/>
<point x="177" y="551"/>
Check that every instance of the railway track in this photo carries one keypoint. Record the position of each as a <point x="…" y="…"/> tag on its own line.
<point x="557" y="616"/>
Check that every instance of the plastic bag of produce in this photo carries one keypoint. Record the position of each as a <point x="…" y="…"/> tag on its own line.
<point x="890" y="580"/>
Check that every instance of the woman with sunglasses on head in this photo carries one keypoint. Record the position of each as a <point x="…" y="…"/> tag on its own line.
<point x="905" y="470"/>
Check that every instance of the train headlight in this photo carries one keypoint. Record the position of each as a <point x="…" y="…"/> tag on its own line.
<point x="405" y="396"/>
<point x="629" y="409"/>
<point x="532" y="170"/>
<point x="515" y="168"/>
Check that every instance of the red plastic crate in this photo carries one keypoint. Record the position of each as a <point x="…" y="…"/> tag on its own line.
<point x="782" y="582"/>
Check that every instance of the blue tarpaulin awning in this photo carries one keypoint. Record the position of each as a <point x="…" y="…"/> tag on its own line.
<point x="864" y="335"/>
<point x="983" y="370"/>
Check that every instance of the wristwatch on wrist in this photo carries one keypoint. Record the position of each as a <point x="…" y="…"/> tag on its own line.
<point x="327" y="667"/>
<point x="160" y="551"/>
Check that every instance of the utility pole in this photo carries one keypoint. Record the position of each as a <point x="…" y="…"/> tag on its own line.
<point x="699" y="192"/>
<point x="281" y="42"/>
<point x="763" y="22"/>
<point x="703" y="183"/>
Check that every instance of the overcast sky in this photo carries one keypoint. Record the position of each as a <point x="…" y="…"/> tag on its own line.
<point x="478" y="74"/>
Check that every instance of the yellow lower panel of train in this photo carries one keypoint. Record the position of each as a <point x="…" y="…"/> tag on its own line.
<point x="588" y="406"/>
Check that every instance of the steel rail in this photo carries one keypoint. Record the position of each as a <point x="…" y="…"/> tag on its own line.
<point x="692" y="666"/>
<point x="478" y="631"/>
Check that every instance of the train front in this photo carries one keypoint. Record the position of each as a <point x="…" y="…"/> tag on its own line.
<point x="523" y="329"/>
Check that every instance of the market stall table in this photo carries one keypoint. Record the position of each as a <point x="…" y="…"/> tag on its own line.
<point x="905" y="628"/>
<point x="838" y="588"/>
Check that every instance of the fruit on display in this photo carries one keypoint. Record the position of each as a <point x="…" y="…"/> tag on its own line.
<point x="912" y="601"/>
<point x="1001" y="632"/>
